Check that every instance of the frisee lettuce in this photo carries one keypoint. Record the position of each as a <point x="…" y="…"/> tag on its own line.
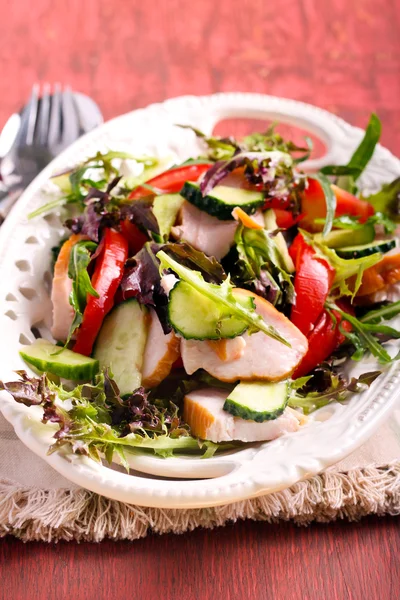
<point x="77" y="182"/>
<point x="223" y="148"/>
<point x="323" y="386"/>
<point x="345" y="268"/>
<point x="97" y="421"/>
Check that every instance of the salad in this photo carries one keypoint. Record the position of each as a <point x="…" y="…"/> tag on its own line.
<point x="202" y="306"/>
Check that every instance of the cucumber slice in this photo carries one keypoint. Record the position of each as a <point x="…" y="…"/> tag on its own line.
<point x="196" y="317"/>
<point x="121" y="343"/>
<point x="257" y="401"/>
<point x="366" y="249"/>
<point x="222" y="200"/>
<point x="165" y="209"/>
<point x="342" y="238"/>
<point x="46" y="357"/>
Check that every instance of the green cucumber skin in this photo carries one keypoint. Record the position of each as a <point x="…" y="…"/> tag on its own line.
<point x="342" y="238"/>
<point x="199" y="337"/>
<point x="213" y="206"/>
<point x="237" y="410"/>
<point x="84" y="372"/>
<point x="354" y="252"/>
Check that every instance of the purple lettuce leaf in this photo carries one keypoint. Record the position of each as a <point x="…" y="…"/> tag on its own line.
<point x="260" y="168"/>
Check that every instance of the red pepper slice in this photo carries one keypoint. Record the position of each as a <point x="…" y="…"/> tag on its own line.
<point x="312" y="283"/>
<point x="171" y="181"/>
<point x="323" y="340"/>
<point x="108" y="271"/>
<point x="136" y="239"/>
<point x="313" y="205"/>
<point x="295" y="247"/>
<point x="285" y="219"/>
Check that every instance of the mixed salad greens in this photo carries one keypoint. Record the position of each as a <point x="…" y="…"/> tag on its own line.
<point x="209" y="304"/>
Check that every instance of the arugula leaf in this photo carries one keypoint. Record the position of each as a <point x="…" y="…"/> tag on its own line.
<point x="340" y="170"/>
<point x="364" y="336"/>
<point x="330" y="200"/>
<point x="79" y="260"/>
<point x="365" y="150"/>
<point x="387" y="200"/>
<point x="385" y="312"/>
<point x="362" y="154"/>
<point x="222" y="295"/>
<point x="324" y="386"/>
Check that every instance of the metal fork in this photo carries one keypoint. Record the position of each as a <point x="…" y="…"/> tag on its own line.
<point x="49" y="123"/>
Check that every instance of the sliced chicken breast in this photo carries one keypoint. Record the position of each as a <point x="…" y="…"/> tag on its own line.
<point x="63" y="313"/>
<point x="203" y="412"/>
<point x="262" y="357"/>
<point x="160" y="353"/>
<point x="204" y="232"/>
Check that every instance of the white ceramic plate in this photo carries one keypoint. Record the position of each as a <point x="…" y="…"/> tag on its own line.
<point x="333" y="432"/>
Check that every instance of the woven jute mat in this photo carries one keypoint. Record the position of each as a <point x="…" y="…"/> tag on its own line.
<point x="36" y="503"/>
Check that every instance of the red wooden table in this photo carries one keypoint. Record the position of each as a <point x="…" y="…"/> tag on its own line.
<point x="343" y="56"/>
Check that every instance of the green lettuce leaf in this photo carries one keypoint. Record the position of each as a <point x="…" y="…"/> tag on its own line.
<point x="97" y="421"/>
<point x="79" y="260"/>
<point x="345" y="268"/>
<point x="387" y="200"/>
<point x="262" y="266"/>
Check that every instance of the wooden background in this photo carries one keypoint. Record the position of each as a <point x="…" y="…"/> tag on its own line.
<point x="343" y="55"/>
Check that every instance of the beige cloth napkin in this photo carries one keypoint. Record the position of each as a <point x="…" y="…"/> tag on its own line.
<point x="36" y="503"/>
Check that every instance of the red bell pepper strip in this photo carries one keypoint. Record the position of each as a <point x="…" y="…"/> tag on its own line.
<point x="322" y="341"/>
<point x="136" y="239"/>
<point x="312" y="283"/>
<point x="171" y="181"/>
<point x="313" y="205"/>
<point x="108" y="271"/>
<point x="285" y="219"/>
<point x="295" y="248"/>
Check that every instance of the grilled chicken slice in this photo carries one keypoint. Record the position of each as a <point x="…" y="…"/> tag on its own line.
<point x="262" y="358"/>
<point x="160" y="353"/>
<point x="204" y="414"/>
<point x="63" y="313"/>
<point x="204" y="232"/>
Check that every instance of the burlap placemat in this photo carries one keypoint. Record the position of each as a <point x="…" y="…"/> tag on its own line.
<point x="36" y="503"/>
